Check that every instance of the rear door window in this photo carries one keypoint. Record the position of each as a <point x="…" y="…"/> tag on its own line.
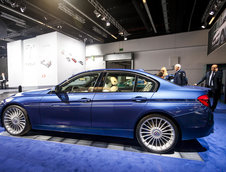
<point x="118" y="82"/>
<point x="145" y="85"/>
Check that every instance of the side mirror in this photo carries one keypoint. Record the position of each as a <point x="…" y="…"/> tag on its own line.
<point x="57" y="89"/>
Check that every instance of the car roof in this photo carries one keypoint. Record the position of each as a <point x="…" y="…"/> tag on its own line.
<point x="125" y="70"/>
<point x="163" y="82"/>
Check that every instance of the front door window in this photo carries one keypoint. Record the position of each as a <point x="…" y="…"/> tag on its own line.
<point x="85" y="83"/>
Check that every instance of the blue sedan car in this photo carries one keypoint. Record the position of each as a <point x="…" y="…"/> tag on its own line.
<point x="113" y="102"/>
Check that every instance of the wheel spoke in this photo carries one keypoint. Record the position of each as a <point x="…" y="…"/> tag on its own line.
<point x="147" y="126"/>
<point x="162" y="125"/>
<point x="159" y="123"/>
<point x="148" y="138"/>
<point x="145" y="129"/>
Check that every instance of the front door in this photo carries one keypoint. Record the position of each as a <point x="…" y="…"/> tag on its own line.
<point x="72" y="105"/>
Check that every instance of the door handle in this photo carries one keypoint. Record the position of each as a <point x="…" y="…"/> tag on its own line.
<point x="139" y="99"/>
<point x="85" y="100"/>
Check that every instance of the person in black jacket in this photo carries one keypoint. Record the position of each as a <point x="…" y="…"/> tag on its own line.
<point x="3" y="80"/>
<point x="213" y="80"/>
<point x="180" y="76"/>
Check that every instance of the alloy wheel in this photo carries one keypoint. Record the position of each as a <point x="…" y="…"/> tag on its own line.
<point x="14" y="120"/>
<point x="157" y="134"/>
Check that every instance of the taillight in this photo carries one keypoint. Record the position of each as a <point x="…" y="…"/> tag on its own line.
<point x="204" y="99"/>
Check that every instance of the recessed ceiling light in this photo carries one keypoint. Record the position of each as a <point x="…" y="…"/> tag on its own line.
<point x="203" y="26"/>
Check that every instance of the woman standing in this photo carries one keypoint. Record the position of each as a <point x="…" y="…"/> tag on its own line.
<point x="165" y="73"/>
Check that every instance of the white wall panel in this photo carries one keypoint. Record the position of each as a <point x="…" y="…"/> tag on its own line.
<point x="15" y="73"/>
<point x="44" y="60"/>
<point x="71" y="56"/>
<point x="95" y="63"/>
<point x="47" y="59"/>
<point x="29" y="62"/>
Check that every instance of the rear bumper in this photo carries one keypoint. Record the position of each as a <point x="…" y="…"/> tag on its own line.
<point x="196" y="125"/>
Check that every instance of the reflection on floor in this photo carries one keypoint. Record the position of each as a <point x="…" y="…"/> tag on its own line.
<point x="187" y="149"/>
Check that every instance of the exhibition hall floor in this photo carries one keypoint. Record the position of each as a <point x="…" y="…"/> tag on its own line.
<point x="54" y="151"/>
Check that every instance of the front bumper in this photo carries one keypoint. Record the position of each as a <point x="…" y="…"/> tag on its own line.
<point x="1" y="106"/>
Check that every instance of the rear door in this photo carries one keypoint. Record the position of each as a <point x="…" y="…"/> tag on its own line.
<point x="120" y="100"/>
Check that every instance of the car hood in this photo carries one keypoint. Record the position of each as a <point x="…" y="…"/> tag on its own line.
<point x="33" y="92"/>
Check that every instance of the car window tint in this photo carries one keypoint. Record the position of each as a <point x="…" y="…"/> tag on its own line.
<point x="144" y="85"/>
<point x="83" y="83"/>
<point x="118" y="82"/>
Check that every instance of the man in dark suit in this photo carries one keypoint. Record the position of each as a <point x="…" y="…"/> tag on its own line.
<point x="213" y="80"/>
<point x="180" y="76"/>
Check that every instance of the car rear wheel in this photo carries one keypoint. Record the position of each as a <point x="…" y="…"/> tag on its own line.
<point x="157" y="133"/>
<point x="15" y="120"/>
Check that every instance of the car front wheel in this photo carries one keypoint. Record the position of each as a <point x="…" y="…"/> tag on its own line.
<point x="15" y="120"/>
<point x="157" y="133"/>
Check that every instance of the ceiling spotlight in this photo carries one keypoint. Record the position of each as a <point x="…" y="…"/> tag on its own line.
<point x="211" y="13"/>
<point x="121" y="33"/>
<point x="59" y="27"/>
<point x="125" y="38"/>
<point x="97" y="13"/>
<point x="108" y="23"/>
<point x="203" y="26"/>
<point x="23" y="7"/>
<point x="103" y="18"/>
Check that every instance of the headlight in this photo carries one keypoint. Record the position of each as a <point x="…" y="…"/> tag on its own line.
<point x="18" y="94"/>
<point x="8" y="99"/>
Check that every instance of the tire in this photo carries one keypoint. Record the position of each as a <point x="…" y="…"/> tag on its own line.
<point x="156" y="133"/>
<point x="15" y="120"/>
